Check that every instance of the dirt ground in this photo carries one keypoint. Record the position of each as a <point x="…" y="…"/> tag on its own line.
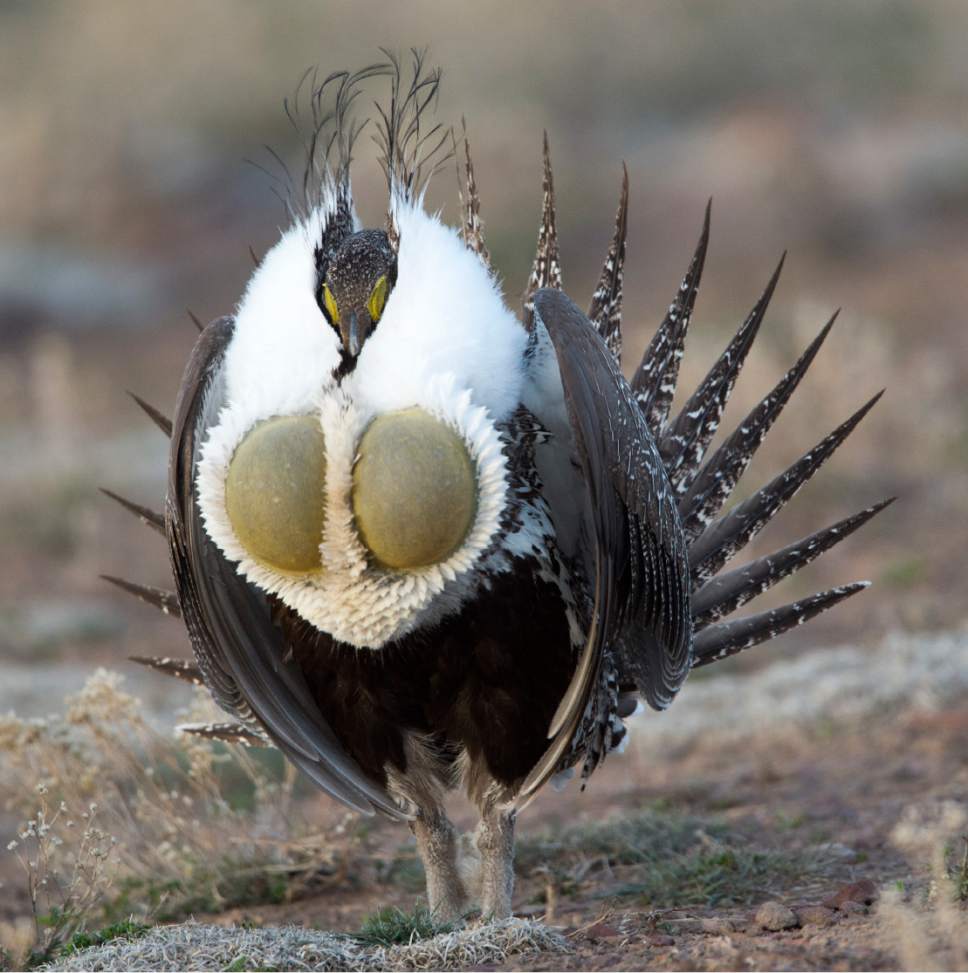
<point x="828" y="798"/>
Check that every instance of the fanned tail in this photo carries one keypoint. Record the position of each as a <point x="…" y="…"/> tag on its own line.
<point x="605" y="311"/>
<point x="704" y="485"/>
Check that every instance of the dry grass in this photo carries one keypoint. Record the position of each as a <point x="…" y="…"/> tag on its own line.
<point x="928" y="926"/>
<point x="192" y="946"/>
<point x="122" y="820"/>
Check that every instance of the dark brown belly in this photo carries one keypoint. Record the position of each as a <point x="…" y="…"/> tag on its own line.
<point x="487" y="680"/>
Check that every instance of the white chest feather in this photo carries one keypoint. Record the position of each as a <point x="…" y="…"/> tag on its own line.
<point x="446" y="343"/>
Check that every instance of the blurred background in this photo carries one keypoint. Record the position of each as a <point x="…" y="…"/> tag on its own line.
<point x="836" y="131"/>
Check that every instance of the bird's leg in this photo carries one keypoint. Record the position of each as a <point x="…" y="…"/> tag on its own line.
<point x="495" y="842"/>
<point x="422" y="787"/>
<point x="437" y="843"/>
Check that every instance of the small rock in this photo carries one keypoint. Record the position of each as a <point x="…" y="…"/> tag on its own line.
<point x="835" y="849"/>
<point x="717" y="927"/>
<point x="851" y="908"/>
<point x="775" y="916"/>
<point x="815" y="915"/>
<point x="863" y="892"/>
<point x="660" y="940"/>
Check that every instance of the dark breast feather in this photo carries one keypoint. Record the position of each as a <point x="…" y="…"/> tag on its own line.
<point x="485" y="681"/>
<point x="239" y="650"/>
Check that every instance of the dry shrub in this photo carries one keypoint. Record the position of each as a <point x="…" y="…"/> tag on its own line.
<point x="122" y="819"/>
<point x="928" y="926"/>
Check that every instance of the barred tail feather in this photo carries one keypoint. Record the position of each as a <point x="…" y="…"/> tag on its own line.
<point x="727" y="638"/>
<point x="225" y="733"/>
<point x="724" y="594"/>
<point x="472" y="226"/>
<point x="654" y="382"/>
<point x="176" y="668"/>
<point x="605" y="311"/>
<point x="684" y="443"/>
<point x="728" y="535"/>
<point x="715" y="482"/>
<point x="546" y="269"/>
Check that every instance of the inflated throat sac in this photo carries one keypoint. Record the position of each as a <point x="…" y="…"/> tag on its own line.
<point x="275" y="493"/>
<point x="414" y="492"/>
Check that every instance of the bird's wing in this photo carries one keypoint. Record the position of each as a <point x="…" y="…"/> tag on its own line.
<point x="239" y="650"/>
<point x="637" y="558"/>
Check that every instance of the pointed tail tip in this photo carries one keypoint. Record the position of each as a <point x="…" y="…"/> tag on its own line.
<point x="871" y="402"/>
<point x="704" y="233"/>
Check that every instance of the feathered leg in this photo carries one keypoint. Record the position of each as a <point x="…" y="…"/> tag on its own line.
<point x="438" y="843"/>
<point x="495" y="844"/>
<point x="422" y="786"/>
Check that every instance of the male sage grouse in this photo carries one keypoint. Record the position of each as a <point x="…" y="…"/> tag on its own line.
<point x="420" y="542"/>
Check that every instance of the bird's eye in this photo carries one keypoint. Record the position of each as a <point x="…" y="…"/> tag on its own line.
<point x="330" y="302"/>
<point x="378" y="297"/>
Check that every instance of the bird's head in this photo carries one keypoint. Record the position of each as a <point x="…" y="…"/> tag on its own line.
<point x="354" y="286"/>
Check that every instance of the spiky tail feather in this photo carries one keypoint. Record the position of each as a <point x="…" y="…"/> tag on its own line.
<point x="225" y="733"/>
<point x="472" y="227"/>
<point x="157" y="417"/>
<point x="605" y="311"/>
<point x="546" y="268"/>
<point x="654" y="382"/>
<point x="165" y="601"/>
<point x="704" y="488"/>
<point x="177" y="668"/>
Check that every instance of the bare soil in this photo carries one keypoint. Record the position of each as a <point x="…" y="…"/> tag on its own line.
<point x="827" y="799"/>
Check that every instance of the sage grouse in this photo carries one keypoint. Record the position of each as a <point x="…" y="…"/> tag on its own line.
<point x="420" y="542"/>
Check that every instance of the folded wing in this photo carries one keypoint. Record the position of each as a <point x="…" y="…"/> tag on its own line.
<point x="637" y="560"/>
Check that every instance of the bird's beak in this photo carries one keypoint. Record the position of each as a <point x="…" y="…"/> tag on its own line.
<point x="355" y="331"/>
<point x="353" y="335"/>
